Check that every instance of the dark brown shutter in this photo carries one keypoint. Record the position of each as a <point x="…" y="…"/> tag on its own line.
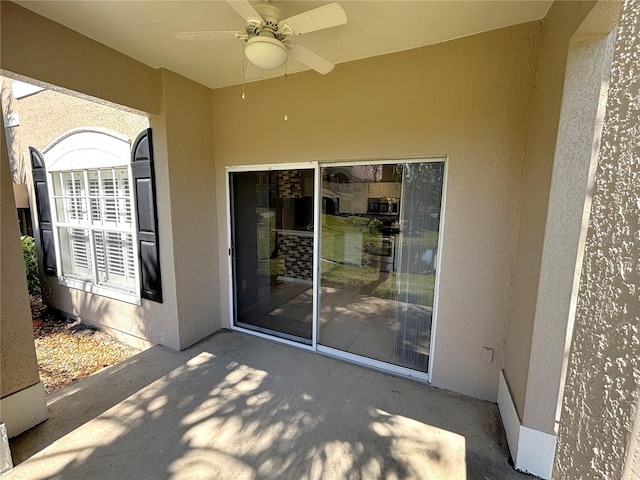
<point x="43" y="211"/>
<point x="147" y="217"/>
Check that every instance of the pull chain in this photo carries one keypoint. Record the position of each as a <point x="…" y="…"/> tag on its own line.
<point x="286" y="93"/>
<point x="242" y="71"/>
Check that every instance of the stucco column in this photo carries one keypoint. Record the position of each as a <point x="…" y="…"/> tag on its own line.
<point x="22" y="399"/>
<point x="185" y="143"/>
<point x="596" y="436"/>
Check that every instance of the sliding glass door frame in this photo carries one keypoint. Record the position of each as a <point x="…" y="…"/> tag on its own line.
<point x="314" y="166"/>
<point x="317" y="232"/>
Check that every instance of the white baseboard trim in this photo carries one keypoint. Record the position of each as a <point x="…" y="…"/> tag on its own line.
<point x="532" y="450"/>
<point x="6" y="464"/>
<point x="536" y="451"/>
<point x="509" y="415"/>
<point x="24" y="409"/>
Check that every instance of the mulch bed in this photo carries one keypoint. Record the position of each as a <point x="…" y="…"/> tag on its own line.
<point x="70" y="350"/>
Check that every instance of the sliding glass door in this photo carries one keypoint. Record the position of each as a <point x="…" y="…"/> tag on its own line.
<point x="378" y="257"/>
<point x="272" y="252"/>
<point x="375" y="258"/>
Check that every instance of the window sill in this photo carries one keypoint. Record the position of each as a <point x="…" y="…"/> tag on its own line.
<point x="100" y="290"/>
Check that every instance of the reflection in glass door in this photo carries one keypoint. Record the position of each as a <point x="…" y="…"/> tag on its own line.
<point x="378" y="257"/>
<point x="272" y="251"/>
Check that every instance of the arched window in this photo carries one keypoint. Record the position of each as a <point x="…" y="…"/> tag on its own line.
<point x="91" y="199"/>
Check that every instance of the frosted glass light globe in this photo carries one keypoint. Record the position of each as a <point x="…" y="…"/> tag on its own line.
<point x="266" y="53"/>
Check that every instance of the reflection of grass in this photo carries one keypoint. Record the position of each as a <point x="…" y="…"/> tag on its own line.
<point x="343" y="276"/>
<point x="343" y="238"/>
<point x="420" y="238"/>
<point x="343" y="248"/>
<point x="416" y="288"/>
<point x="406" y="287"/>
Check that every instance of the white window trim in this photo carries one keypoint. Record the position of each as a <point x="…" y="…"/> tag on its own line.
<point x="61" y="156"/>
<point x="99" y="290"/>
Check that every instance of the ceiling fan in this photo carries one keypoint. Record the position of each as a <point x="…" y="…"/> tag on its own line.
<point x="267" y="35"/>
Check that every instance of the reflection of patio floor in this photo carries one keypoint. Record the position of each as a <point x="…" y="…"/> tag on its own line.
<point x="236" y="406"/>
<point x="351" y="321"/>
<point x="368" y="326"/>
<point x="288" y="310"/>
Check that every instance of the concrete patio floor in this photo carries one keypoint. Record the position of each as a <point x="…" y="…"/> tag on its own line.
<point x="238" y="407"/>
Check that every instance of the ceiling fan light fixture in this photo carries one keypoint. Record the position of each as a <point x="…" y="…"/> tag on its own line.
<point x="265" y="52"/>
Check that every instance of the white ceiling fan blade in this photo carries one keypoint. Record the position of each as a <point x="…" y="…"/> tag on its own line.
<point x="252" y="72"/>
<point x="326" y="16"/>
<point x="245" y="10"/>
<point x="310" y="59"/>
<point x="213" y="35"/>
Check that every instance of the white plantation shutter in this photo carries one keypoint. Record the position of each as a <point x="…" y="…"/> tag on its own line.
<point x="101" y="261"/>
<point x="80" y="252"/>
<point x="115" y="259"/>
<point x="128" y="257"/>
<point x="126" y="213"/>
<point x="74" y="193"/>
<point x="132" y="267"/>
<point x="110" y="196"/>
<point x="94" y="199"/>
<point x="115" y="254"/>
<point x="103" y="251"/>
<point x="110" y="201"/>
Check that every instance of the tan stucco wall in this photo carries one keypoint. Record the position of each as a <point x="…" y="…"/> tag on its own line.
<point x="559" y="26"/>
<point x="18" y="365"/>
<point x="40" y="49"/>
<point x="46" y="115"/>
<point x="468" y="99"/>
<point x="45" y="53"/>
<point x="187" y="116"/>
<point x="597" y="435"/>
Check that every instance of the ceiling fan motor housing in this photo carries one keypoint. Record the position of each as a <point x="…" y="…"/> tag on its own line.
<point x="271" y="17"/>
<point x="264" y="47"/>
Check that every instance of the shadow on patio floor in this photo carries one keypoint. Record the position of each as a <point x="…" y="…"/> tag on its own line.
<point x="235" y="406"/>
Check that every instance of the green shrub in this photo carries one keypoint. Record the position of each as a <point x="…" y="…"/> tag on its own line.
<point x="31" y="265"/>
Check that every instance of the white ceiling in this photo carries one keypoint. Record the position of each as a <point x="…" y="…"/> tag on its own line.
<point x="144" y="29"/>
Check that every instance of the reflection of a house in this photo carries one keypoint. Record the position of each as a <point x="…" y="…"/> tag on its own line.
<point x="354" y="317"/>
